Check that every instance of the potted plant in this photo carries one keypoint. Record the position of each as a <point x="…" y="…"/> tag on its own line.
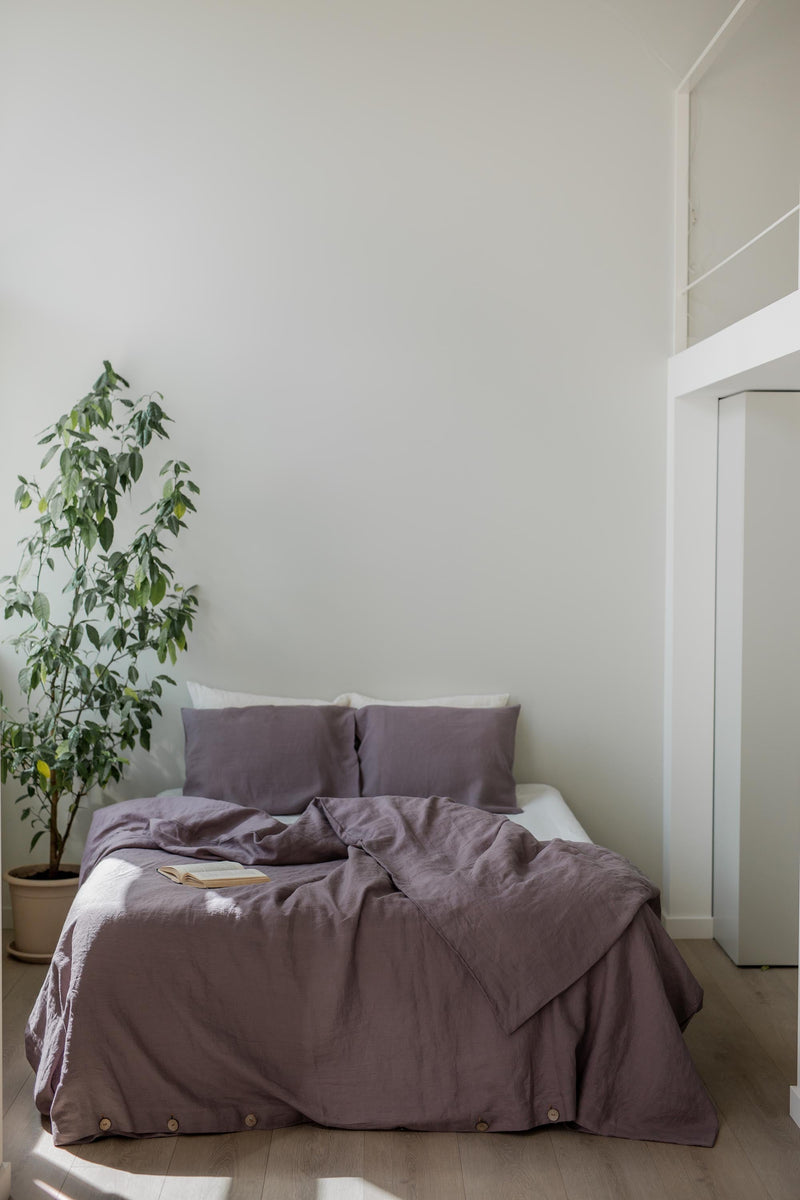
<point x="92" y="609"/>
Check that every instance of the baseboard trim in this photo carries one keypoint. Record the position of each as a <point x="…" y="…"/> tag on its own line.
<point x="688" y="927"/>
<point x="794" y="1104"/>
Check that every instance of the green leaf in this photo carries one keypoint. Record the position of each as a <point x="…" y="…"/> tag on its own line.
<point x="41" y="608"/>
<point x="158" y="590"/>
<point x="25" y="499"/>
<point x="93" y="636"/>
<point x="105" y="531"/>
<point x="51" y="453"/>
<point x="72" y="482"/>
<point x="35" y="838"/>
<point x="129" y="691"/>
<point x="89" y="534"/>
<point x="137" y="465"/>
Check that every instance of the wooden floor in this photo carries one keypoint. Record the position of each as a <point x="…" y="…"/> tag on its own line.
<point x="744" y="1044"/>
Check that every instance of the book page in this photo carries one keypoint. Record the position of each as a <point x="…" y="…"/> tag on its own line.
<point x="201" y="869"/>
<point x="236" y="878"/>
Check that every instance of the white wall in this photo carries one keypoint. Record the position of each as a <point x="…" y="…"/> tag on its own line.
<point x="403" y="274"/>
<point x="756" y="755"/>
<point x="745" y="169"/>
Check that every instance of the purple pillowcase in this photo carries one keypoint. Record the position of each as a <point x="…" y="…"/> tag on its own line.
<point x="272" y="757"/>
<point x="464" y="753"/>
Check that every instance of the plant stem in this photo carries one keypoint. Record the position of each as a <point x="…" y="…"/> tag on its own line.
<point x="73" y="811"/>
<point x="55" y="854"/>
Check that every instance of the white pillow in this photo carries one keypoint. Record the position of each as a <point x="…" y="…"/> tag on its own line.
<point x="208" y="697"/>
<point x="356" y="700"/>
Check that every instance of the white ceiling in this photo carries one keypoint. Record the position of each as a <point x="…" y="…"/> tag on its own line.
<point x="672" y="31"/>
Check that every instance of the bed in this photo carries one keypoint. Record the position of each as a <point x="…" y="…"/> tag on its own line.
<point x="416" y="961"/>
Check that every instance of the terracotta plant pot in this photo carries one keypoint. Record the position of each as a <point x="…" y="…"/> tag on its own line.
<point x="39" y="907"/>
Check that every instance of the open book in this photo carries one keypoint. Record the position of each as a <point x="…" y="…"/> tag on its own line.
<point x="213" y="874"/>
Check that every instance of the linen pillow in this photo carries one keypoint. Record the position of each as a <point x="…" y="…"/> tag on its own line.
<point x="208" y="697"/>
<point x="357" y="700"/>
<point x="464" y="753"/>
<point x="272" y="757"/>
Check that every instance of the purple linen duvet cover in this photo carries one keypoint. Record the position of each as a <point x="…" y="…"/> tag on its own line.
<point x="412" y="963"/>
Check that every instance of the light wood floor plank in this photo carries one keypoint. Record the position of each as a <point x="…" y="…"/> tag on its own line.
<point x="310" y="1163"/>
<point x="225" y="1166"/>
<point x="17" y="1006"/>
<point x="514" y="1166"/>
<point x="13" y="969"/>
<point x="29" y="1148"/>
<point x="414" y="1166"/>
<point x="600" y="1168"/>
<point x="124" y="1168"/>
<point x="765" y="1000"/>
<point x="697" y="1173"/>
<point x="749" y="1089"/>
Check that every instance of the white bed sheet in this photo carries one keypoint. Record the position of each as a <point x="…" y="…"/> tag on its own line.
<point x="545" y="813"/>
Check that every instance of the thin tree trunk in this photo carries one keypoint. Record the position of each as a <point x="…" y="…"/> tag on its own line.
<point x="54" y="839"/>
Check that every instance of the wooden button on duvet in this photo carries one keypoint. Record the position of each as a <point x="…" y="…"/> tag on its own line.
<point x="481" y="1127"/>
<point x="552" y="1114"/>
<point x="172" y="1125"/>
<point x="105" y="1124"/>
<point x="250" y="1120"/>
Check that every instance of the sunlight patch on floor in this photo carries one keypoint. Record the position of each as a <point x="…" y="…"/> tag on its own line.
<point x="95" y="1180"/>
<point x="350" y="1187"/>
<point x="210" y="1187"/>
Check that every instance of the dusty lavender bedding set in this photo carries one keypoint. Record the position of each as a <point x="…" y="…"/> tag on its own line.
<point x="412" y="963"/>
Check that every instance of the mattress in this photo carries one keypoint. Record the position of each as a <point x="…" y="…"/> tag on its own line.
<point x="545" y="813"/>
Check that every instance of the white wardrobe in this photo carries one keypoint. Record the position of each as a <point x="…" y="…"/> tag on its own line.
<point x="757" y="711"/>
